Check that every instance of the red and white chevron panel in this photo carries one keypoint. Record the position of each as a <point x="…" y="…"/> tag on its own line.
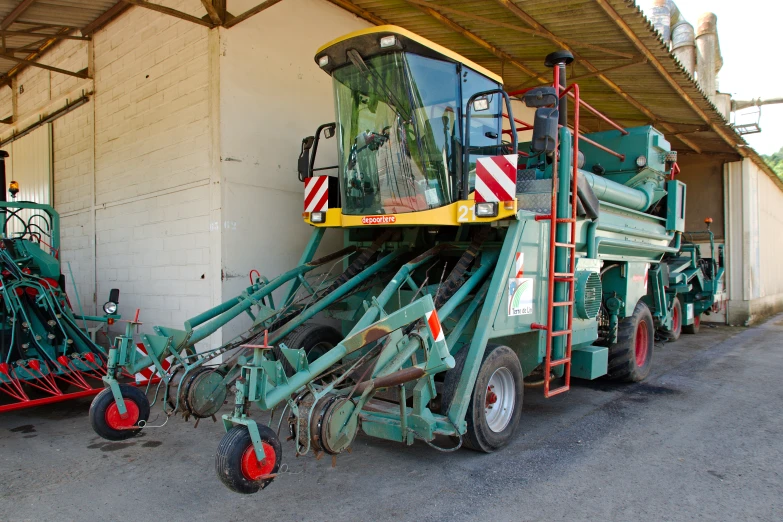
<point x="496" y="178"/>
<point x="316" y="194"/>
<point x="434" y="323"/>
<point x="148" y="373"/>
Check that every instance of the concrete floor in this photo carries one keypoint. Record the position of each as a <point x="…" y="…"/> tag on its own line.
<point x="700" y="439"/>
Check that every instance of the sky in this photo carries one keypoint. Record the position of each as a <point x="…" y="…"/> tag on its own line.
<point x="749" y="32"/>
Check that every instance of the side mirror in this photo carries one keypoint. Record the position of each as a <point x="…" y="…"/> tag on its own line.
<point x="303" y="167"/>
<point x="114" y="295"/>
<point x="329" y="132"/>
<point x="544" y="130"/>
<point x="540" y="97"/>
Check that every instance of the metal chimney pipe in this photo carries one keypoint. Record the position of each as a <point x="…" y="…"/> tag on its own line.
<point x="560" y="59"/>
<point x="708" y="57"/>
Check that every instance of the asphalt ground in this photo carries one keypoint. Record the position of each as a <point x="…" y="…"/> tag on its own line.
<point x="700" y="439"/>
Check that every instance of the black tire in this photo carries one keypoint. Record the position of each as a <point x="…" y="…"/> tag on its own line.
<point x="693" y="328"/>
<point x="314" y="339"/>
<point x="479" y="436"/>
<point x="674" y="334"/>
<point x="626" y="362"/>
<point x="107" y="425"/>
<point x="230" y="454"/>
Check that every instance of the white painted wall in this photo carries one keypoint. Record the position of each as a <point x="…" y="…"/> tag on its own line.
<point x="754" y="210"/>
<point x="272" y="94"/>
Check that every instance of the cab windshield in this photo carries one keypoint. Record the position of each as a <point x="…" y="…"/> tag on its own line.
<point x="398" y="133"/>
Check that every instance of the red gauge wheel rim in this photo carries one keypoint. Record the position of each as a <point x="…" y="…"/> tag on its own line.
<point x="642" y="340"/>
<point x="115" y="421"/>
<point x="675" y="319"/>
<point x="252" y="469"/>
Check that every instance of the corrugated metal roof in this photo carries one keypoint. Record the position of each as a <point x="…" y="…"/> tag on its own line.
<point x="29" y="27"/>
<point x="629" y="87"/>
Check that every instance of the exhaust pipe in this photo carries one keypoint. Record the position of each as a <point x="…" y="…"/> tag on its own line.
<point x="560" y="59"/>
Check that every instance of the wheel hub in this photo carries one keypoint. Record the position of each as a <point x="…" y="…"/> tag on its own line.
<point x="252" y="468"/>
<point x="499" y="401"/>
<point x="115" y="420"/>
<point x="642" y="340"/>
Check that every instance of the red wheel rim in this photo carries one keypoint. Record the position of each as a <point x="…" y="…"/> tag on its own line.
<point x="252" y="469"/>
<point x="115" y="421"/>
<point x="697" y="321"/>
<point x="642" y="339"/>
<point x="675" y="320"/>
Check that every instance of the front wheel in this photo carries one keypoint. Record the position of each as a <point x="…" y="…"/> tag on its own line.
<point x="238" y="466"/>
<point x="630" y="358"/>
<point x="105" y="415"/>
<point x="495" y="406"/>
<point x="674" y="334"/>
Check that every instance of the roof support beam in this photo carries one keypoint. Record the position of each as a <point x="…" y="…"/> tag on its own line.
<point x="532" y="22"/>
<point x="79" y="74"/>
<point x="108" y="15"/>
<point x="16" y="13"/>
<point x="212" y="12"/>
<point x="617" y="19"/>
<point x="171" y="12"/>
<point x="250" y="12"/>
<point x="58" y="36"/>
<point x="358" y="11"/>
<point x="479" y="41"/>
<point x="525" y="30"/>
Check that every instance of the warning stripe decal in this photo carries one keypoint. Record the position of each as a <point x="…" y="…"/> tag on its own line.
<point x="496" y="178"/>
<point x="434" y="324"/>
<point x="520" y="265"/>
<point x="146" y="374"/>
<point x="316" y="194"/>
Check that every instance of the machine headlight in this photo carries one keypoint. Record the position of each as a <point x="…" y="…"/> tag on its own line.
<point x="388" y="41"/>
<point x="318" y="217"/>
<point x="481" y="104"/>
<point x="641" y="161"/>
<point x="323" y="61"/>
<point x="486" y="209"/>
<point x="110" y="308"/>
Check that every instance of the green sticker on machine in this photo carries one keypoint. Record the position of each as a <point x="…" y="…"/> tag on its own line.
<point x="520" y="296"/>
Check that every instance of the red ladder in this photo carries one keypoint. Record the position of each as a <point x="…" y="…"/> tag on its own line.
<point x="561" y="277"/>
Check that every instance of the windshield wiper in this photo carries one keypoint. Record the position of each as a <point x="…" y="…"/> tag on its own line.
<point x="393" y="102"/>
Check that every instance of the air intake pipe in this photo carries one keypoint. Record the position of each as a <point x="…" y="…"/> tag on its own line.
<point x="639" y="198"/>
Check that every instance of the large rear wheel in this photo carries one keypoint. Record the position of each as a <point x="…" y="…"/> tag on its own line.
<point x="630" y="358"/>
<point x="496" y="403"/>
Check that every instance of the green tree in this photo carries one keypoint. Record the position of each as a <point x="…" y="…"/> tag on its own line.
<point x="775" y="161"/>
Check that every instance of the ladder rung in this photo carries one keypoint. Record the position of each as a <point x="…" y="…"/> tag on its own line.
<point x="564" y="279"/>
<point x="563" y="303"/>
<point x="560" y="361"/>
<point x="561" y="333"/>
<point x="564" y="274"/>
<point x="558" y="391"/>
<point x="565" y="220"/>
<point x="565" y="245"/>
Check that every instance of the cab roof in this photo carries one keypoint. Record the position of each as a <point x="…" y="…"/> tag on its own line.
<point x="367" y="43"/>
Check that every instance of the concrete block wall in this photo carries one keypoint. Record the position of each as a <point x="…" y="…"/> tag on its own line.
<point x="272" y="94"/>
<point x="133" y="167"/>
<point x="152" y="164"/>
<point x="73" y="166"/>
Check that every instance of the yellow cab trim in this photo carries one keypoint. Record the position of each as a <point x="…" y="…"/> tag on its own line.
<point x="458" y="213"/>
<point x="393" y="29"/>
